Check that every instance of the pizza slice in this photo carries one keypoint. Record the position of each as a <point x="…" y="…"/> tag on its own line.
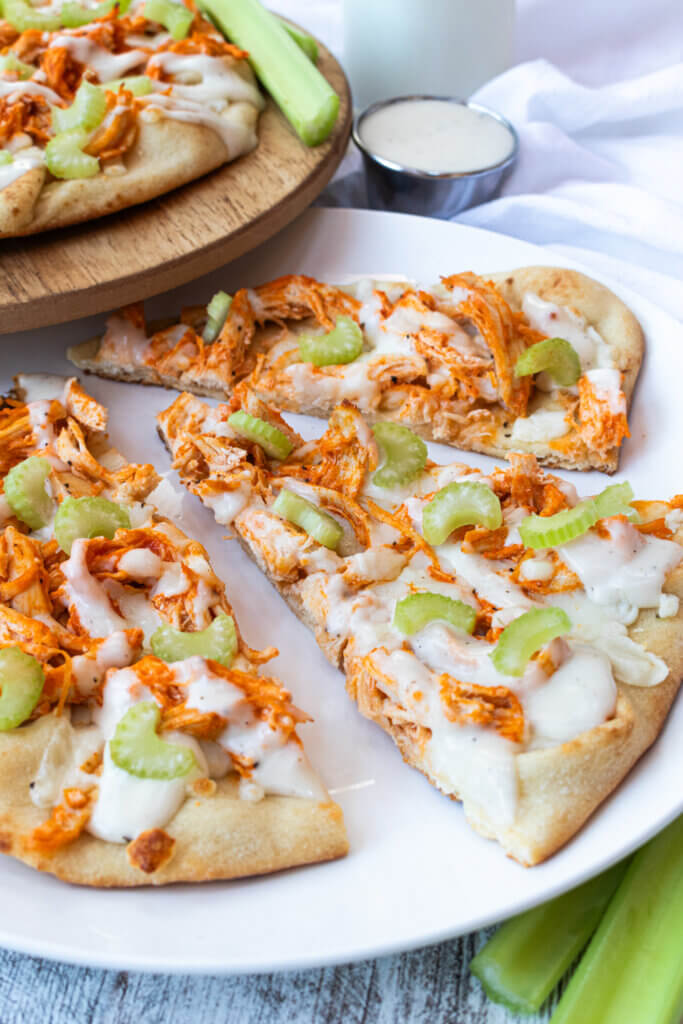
<point x="106" y="106"/>
<point x="540" y="359"/>
<point x="520" y="645"/>
<point x="141" y="742"/>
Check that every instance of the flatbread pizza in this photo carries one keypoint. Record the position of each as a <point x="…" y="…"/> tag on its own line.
<point x="540" y="359"/>
<point x="520" y="644"/>
<point x="133" y="100"/>
<point x="141" y="739"/>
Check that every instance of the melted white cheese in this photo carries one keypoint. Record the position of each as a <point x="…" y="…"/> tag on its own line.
<point x="542" y="425"/>
<point x="558" y="322"/>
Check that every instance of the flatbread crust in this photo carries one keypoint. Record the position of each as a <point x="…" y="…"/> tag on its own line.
<point x="216" y="837"/>
<point x="167" y="154"/>
<point x="599" y="306"/>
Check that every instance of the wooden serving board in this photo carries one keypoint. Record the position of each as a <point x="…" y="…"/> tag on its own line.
<point x="75" y="272"/>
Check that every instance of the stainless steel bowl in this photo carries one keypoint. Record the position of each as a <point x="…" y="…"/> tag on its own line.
<point x="391" y="186"/>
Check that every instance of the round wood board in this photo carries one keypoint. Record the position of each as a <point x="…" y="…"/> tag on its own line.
<point x="75" y="272"/>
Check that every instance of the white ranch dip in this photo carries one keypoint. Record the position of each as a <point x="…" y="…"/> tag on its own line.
<point x="436" y="135"/>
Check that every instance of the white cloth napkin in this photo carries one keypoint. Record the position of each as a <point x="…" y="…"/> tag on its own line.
<point x="600" y="172"/>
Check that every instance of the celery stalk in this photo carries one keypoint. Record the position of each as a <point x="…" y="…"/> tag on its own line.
<point x="306" y="99"/>
<point x="633" y="969"/>
<point x="521" y="964"/>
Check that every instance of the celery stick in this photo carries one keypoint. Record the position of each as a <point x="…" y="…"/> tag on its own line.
<point x="303" y="40"/>
<point x="528" y="955"/>
<point x="632" y="972"/>
<point x="306" y="99"/>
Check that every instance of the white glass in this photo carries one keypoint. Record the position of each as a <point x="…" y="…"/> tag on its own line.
<point x="439" y="47"/>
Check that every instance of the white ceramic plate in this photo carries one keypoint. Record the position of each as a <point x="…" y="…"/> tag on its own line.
<point x="416" y="873"/>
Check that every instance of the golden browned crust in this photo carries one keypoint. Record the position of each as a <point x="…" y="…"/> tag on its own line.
<point x="215" y="837"/>
<point x="166" y="154"/>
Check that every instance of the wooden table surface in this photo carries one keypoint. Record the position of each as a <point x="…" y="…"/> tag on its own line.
<point x="429" y="986"/>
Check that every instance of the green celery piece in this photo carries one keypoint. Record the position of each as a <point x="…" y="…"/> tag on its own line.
<point x="306" y="99"/>
<point x="525" y="959"/>
<point x="72" y="15"/>
<point x="5" y="157"/>
<point x="274" y="443"/>
<point x="555" y="356"/>
<point x="23" y="16"/>
<point x="526" y="635"/>
<point x="26" y="494"/>
<point x="309" y="518"/>
<point x="139" y="85"/>
<point x="138" y="750"/>
<point x="342" y="344"/>
<point x="8" y="62"/>
<point x="217" y="642"/>
<point x="21" y="684"/>
<point x="303" y="40"/>
<point x="632" y="971"/>
<point x="405" y="455"/>
<point x="414" y="612"/>
<point x="84" y="114"/>
<point x="64" y="156"/>
<point x="88" y="517"/>
<point x="172" y="14"/>
<point x="540" y="532"/>
<point x="462" y="503"/>
<point x="216" y="315"/>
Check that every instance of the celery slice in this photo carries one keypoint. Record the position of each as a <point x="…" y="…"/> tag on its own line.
<point x="309" y="518"/>
<point x="23" y="17"/>
<point x="462" y="503"/>
<point x="21" y="682"/>
<point x="306" y="99"/>
<point x="84" y="114"/>
<point x="8" y="62"/>
<point x="216" y="314"/>
<point x="5" y="157"/>
<point x="554" y="356"/>
<point x="138" y="749"/>
<point x="172" y="14"/>
<point x="303" y="40"/>
<point x="416" y="611"/>
<point x="632" y="971"/>
<point x="405" y="455"/>
<point x="217" y="642"/>
<point x="342" y="344"/>
<point x="274" y="443"/>
<point x="65" y="158"/>
<point x="523" y="962"/>
<point x="26" y="494"/>
<point x="526" y="635"/>
<point x="88" y="517"/>
<point x="550" y="531"/>
<point x="139" y="85"/>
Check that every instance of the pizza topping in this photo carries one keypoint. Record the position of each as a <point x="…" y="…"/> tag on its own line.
<point x="216" y="313"/>
<point x="217" y="642"/>
<point x="554" y="356"/>
<point x="342" y="344"/>
<point x="274" y="443"/>
<point x="65" y="156"/>
<point x="21" y="684"/>
<point x="302" y="513"/>
<point x="405" y="455"/>
<point x="525" y="636"/>
<point x="27" y="494"/>
<point x="136" y="747"/>
<point x="580" y="694"/>
<point x="553" y="320"/>
<point x="84" y="114"/>
<point x="550" y="531"/>
<point x="416" y="611"/>
<point x="88" y="517"/>
<point x="174" y="16"/>
<point x="23" y="16"/>
<point x="460" y="504"/>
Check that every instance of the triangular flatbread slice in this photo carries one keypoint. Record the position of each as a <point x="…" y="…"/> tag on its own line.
<point x="440" y="359"/>
<point x="532" y="752"/>
<point x="156" y="749"/>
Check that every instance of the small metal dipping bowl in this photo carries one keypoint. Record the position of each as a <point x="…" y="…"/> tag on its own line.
<point x="391" y="186"/>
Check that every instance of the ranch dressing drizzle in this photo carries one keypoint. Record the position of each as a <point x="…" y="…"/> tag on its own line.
<point x="206" y="79"/>
<point x="106" y="65"/>
<point x="19" y="166"/>
<point x="436" y="136"/>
